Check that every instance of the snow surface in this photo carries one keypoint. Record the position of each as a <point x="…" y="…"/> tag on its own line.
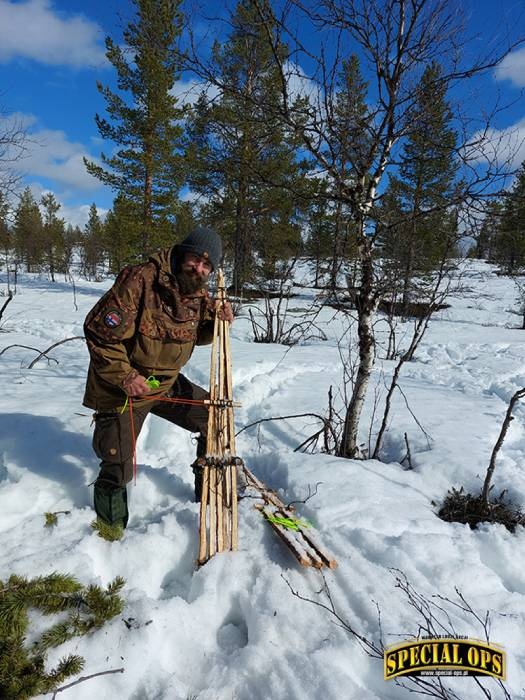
<point x="233" y="629"/>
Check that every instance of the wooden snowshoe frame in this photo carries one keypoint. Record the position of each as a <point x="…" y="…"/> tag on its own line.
<point x="299" y="539"/>
<point x="218" y="527"/>
<point x="218" y="520"/>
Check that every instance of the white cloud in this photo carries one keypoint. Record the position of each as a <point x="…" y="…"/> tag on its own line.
<point x="300" y="85"/>
<point x="501" y="146"/>
<point x="79" y="215"/>
<point x="513" y="68"/>
<point x="188" y="91"/>
<point x="49" y="153"/>
<point x="32" y="29"/>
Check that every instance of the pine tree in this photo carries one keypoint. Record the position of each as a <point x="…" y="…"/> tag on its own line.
<point x="72" y="241"/>
<point x="320" y="239"/>
<point x="92" y="253"/>
<point x="53" y="235"/>
<point x="147" y="170"/>
<point x="242" y="160"/>
<point x="485" y="234"/>
<point x="122" y="234"/>
<point x="508" y="244"/>
<point x="28" y="233"/>
<point x="351" y="117"/>
<point x="419" y="203"/>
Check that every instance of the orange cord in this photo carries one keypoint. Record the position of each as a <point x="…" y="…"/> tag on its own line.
<point x="192" y="402"/>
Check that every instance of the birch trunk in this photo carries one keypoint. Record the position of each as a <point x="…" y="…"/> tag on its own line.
<point x="366" y="308"/>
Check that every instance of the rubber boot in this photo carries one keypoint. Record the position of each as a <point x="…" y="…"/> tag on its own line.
<point x="111" y="507"/>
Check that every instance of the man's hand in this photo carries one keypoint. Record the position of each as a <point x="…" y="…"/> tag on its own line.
<point x="136" y="386"/>
<point x="224" y="311"/>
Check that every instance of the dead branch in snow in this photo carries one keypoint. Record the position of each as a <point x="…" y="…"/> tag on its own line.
<point x="60" y="342"/>
<point x="85" y="678"/>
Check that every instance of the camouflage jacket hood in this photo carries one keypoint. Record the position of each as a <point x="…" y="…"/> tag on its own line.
<point x="143" y="326"/>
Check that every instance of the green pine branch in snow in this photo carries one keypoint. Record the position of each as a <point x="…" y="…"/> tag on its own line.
<point x="22" y="666"/>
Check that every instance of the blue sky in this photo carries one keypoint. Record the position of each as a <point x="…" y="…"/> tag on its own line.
<point x="52" y="54"/>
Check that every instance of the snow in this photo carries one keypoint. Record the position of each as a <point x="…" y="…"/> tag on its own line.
<point x="233" y="628"/>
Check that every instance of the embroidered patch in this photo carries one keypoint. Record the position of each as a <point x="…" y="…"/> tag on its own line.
<point x="113" y="318"/>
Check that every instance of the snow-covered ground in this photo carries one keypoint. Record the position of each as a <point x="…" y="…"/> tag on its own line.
<point x="233" y="629"/>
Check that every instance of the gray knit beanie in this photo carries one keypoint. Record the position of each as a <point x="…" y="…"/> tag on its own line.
<point x="204" y="242"/>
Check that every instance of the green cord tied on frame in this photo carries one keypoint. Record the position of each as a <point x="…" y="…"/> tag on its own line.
<point x="289" y="523"/>
<point x="152" y="382"/>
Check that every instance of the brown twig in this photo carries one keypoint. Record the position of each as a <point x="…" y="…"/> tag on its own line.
<point x="86" y="678"/>
<point x="60" y="342"/>
<point x="408" y="456"/>
<point x="311" y="494"/>
<point x="499" y="442"/>
<point x="367" y="645"/>
<point x="9" y="298"/>
<point x="27" y="347"/>
<point x="266" y="420"/>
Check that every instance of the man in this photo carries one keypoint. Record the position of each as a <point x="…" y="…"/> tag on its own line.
<point x="146" y="327"/>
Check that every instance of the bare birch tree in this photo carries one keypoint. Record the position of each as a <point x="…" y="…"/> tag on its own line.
<point x="13" y="146"/>
<point x="395" y="41"/>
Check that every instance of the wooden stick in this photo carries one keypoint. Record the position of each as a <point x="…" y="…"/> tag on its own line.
<point x="234" y="517"/>
<point x="220" y="509"/>
<point x="203" y="543"/>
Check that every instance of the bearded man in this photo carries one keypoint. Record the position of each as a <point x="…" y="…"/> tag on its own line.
<point x="145" y="328"/>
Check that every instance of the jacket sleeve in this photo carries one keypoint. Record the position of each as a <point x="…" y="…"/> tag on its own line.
<point x="207" y="322"/>
<point x="112" y="322"/>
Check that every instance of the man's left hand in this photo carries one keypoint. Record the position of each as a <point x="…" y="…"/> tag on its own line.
<point x="224" y="311"/>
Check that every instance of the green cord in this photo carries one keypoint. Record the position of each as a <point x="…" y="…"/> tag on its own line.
<point x="290" y="523"/>
<point x="152" y="382"/>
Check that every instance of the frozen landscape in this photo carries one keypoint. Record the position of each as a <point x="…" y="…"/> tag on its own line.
<point x="233" y="629"/>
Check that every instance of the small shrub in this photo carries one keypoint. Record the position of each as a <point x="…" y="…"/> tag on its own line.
<point x="462" y="507"/>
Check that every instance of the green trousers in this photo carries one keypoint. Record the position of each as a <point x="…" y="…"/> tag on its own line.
<point x="113" y="444"/>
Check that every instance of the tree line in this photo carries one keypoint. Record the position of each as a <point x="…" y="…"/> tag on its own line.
<point x="336" y="131"/>
<point x="241" y="152"/>
<point x="34" y="238"/>
<point x="500" y="236"/>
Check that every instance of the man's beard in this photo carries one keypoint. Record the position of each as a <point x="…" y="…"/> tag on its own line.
<point x="189" y="281"/>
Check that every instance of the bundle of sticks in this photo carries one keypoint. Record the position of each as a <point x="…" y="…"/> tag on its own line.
<point x="218" y="531"/>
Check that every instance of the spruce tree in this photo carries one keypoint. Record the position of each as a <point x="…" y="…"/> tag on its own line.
<point x="351" y="117"/>
<point x="122" y="234"/>
<point x="53" y="235"/>
<point x="28" y="233"/>
<point x="72" y="241"/>
<point x="144" y="120"/>
<point x="421" y="221"/>
<point x="92" y="252"/>
<point x="508" y="244"/>
<point x="486" y="234"/>
<point x="241" y="158"/>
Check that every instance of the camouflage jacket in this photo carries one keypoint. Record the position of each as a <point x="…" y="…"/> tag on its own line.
<point x="143" y="325"/>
